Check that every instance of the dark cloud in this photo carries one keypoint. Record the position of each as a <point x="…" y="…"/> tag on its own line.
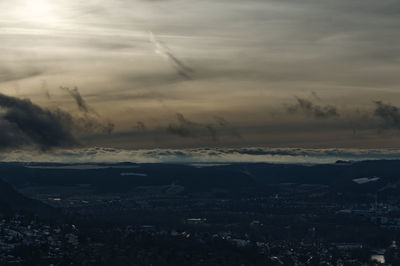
<point x="78" y="98"/>
<point x="310" y="109"/>
<point x="25" y="123"/>
<point x="388" y="113"/>
<point x="11" y="135"/>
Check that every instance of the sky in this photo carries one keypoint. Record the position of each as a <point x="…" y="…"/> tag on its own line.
<point x="174" y="74"/>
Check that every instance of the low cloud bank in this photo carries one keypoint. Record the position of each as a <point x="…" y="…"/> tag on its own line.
<point x="206" y="155"/>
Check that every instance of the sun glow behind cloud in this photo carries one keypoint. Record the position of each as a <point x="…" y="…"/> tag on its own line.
<point x="38" y="12"/>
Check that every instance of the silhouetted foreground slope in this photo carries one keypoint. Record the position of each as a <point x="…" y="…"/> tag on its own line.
<point x="11" y="201"/>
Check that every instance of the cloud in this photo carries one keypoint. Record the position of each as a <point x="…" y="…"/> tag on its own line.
<point x="184" y="128"/>
<point x="180" y="130"/>
<point x="161" y="49"/>
<point x="310" y="109"/>
<point x="11" y="135"/>
<point x="91" y="121"/>
<point x="7" y="75"/>
<point x="203" y="155"/>
<point x="315" y="95"/>
<point x="388" y="113"/>
<point x="222" y="122"/>
<point x="239" y="70"/>
<point x="187" y="128"/>
<point x="25" y="123"/>
<point x="90" y="125"/>
<point x="140" y="126"/>
<point x="78" y="98"/>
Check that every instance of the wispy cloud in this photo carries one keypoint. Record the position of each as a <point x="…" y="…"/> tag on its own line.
<point x="78" y="98"/>
<point x="163" y="50"/>
<point x="91" y="119"/>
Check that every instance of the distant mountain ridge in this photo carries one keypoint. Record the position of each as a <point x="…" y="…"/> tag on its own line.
<point x="108" y="178"/>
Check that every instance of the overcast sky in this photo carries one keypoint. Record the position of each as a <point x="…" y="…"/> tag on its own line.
<point x="200" y="73"/>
